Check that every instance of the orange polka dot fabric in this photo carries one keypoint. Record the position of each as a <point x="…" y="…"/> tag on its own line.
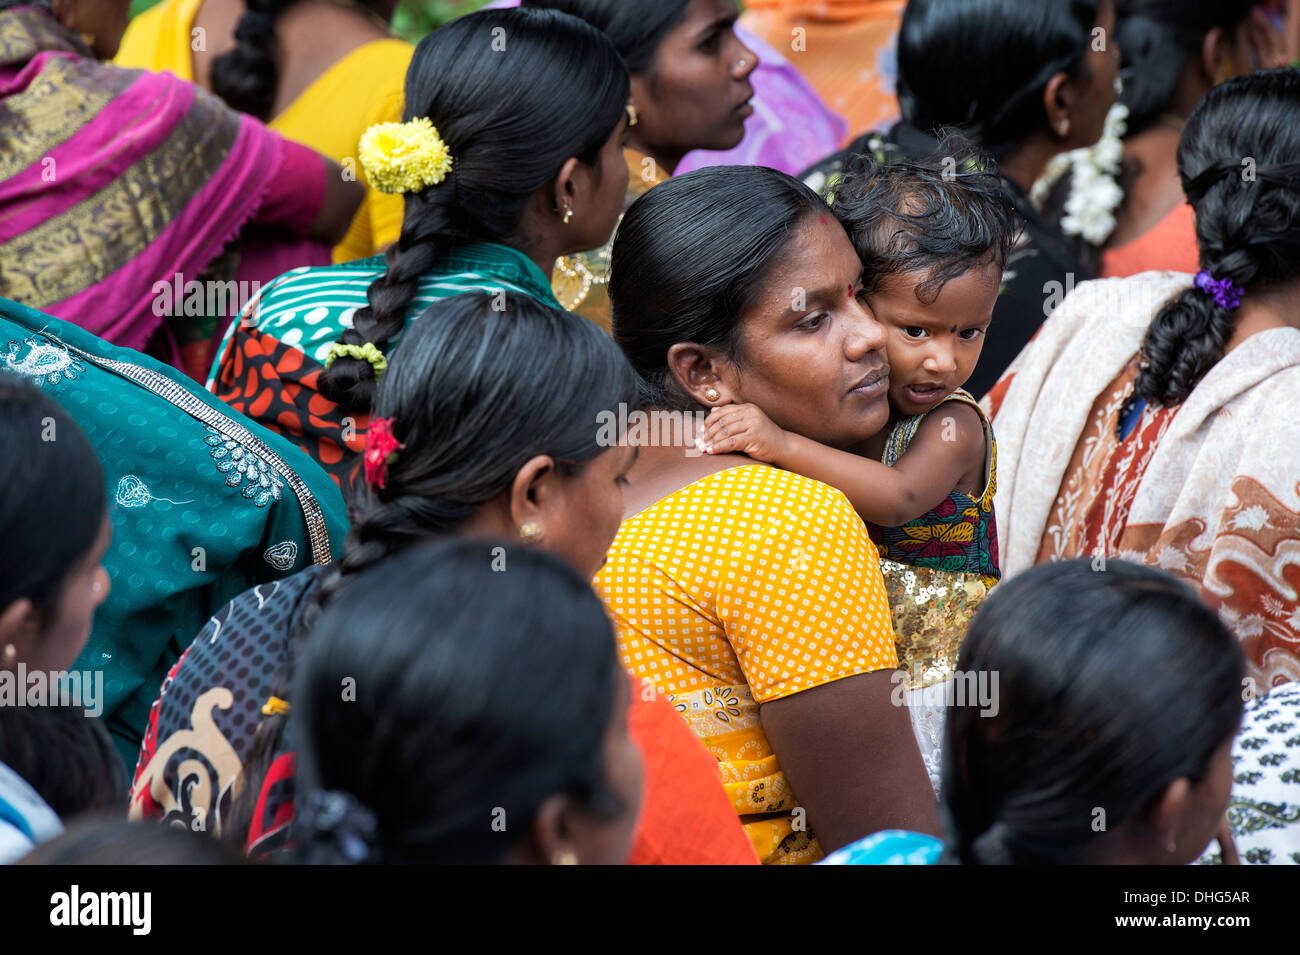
<point x="748" y="586"/>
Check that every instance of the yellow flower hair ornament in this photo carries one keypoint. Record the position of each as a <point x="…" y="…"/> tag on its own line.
<point x="404" y="157"/>
<point x="367" y="352"/>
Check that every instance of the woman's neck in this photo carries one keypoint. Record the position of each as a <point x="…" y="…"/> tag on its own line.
<point x="1278" y="307"/>
<point x="1027" y="163"/>
<point x="667" y="161"/>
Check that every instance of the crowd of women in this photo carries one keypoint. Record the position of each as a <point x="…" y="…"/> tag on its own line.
<point x="967" y="332"/>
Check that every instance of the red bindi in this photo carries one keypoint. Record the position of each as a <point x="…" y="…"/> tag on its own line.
<point x="823" y="218"/>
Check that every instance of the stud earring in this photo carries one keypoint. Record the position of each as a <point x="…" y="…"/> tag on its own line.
<point x="531" y="531"/>
<point x="8" y="657"/>
<point x="712" y="394"/>
<point x="1065" y="127"/>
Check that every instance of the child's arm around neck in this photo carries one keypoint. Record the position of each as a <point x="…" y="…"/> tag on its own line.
<point x="946" y="453"/>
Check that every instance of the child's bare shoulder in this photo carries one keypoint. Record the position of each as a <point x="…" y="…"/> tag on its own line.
<point x="956" y="425"/>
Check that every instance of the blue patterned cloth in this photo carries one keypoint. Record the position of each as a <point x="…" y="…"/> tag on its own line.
<point x="889" y="847"/>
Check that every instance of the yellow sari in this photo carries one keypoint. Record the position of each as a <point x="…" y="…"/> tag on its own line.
<point x="362" y="88"/>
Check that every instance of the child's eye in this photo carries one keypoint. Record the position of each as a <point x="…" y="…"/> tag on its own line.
<point x="970" y="334"/>
<point x="813" y="322"/>
<point x="710" y="45"/>
<point x="914" y="331"/>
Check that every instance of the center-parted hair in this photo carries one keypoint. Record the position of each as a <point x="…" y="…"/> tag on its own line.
<point x="478" y="385"/>
<point x="479" y="694"/>
<point x="1239" y="162"/>
<point x="1112" y="684"/>
<point x="637" y="27"/>
<point x="514" y="94"/>
<point x="983" y="65"/>
<point x="691" y="255"/>
<point x="938" y="216"/>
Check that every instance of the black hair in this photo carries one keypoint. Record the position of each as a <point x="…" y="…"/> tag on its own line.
<point x="637" y="27"/>
<point x="478" y="695"/>
<point x="507" y="139"/>
<point x="248" y="76"/>
<point x="938" y="216"/>
<point x="1237" y="163"/>
<point x="104" y="840"/>
<point x="47" y="457"/>
<point x="1156" y="40"/>
<point x="65" y="755"/>
<point x="982" y="65"/>
<point x="691" y="256"/>
<point x="480" y="384"/>
<point x="1112" y="683"/>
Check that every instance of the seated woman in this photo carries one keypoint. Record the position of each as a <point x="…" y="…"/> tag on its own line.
<point x="690" y="90"/>
<point x="1035" y="85"/>
<point x="205" y="504"/>
<point x="492" y="727"/>
<point x="1169" y="398"/>
<point x="751" y="596"/>
<point x="508" y="182"/>
<point x="485" y="425"/>
<point x="319" y="73"/>
<point x="1173" y="54"/>
<point x="115" y="181"/>
<point x="52" y="578"/>
<point x="1104" y="737"/>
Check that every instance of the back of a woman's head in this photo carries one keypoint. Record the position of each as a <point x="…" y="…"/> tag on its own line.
<point x="983" y="65"/>
<point x="103" y="839"/>
<point x="480" y="384"/>
<point x="1157" y="38"/>
<point x="478" y="693"/>
<point x="1111" y="684"/>
<point x="514" y="94"/>
<point x="635" y="26"/>
<point x="1239" y="161"/>
<point x="46" y="458"/>
<point x="691" y="256"/>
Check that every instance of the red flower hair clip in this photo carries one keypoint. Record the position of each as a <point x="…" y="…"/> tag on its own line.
<point x="381" y="451"/>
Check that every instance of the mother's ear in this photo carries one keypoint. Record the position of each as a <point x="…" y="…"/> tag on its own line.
<point x="533" y="495"/>
<point x="703" y="374"/>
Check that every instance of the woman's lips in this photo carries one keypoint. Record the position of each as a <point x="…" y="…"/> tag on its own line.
<point x="872" y="386"/>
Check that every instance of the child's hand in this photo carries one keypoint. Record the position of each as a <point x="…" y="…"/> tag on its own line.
<point x="744" y="429"/>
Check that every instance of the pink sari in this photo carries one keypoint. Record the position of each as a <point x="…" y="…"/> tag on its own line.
<point x="112" y="181"/>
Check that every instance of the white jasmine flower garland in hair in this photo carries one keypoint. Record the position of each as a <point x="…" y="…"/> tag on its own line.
<point x="1094" y="193"/>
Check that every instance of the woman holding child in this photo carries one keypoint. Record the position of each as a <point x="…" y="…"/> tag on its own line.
<point x="735" y="288"/>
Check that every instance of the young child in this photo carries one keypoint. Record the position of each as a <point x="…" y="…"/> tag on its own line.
<point x="933" y="237"/>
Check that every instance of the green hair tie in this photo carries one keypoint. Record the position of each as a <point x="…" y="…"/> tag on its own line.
<point x="368" y="352"/>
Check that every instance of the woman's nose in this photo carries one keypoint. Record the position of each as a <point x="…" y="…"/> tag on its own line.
<point x="744" y="62"/>
<point x="864" y="335"/>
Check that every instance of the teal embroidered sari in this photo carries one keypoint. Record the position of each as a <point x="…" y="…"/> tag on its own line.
<point x="204" y="503"/>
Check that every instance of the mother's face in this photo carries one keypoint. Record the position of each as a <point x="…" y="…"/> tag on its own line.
<point x="809" y="354"/>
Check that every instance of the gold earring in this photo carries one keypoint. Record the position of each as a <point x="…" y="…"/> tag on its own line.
<point x="631" y="116"/>
<point x="531" y="531"/>
<point x="712" y="394"/>
<point x="568" y="214"/>
<point x="564" y="857"/>
<point x="9" y="656"/>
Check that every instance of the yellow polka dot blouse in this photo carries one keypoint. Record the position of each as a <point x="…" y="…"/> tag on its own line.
<point x="748" y="586"/>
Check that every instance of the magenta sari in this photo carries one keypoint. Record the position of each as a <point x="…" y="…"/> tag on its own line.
<point x="114" y="180"/>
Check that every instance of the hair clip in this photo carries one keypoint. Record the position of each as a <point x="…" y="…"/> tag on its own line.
<point x="1225" y="293"/>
